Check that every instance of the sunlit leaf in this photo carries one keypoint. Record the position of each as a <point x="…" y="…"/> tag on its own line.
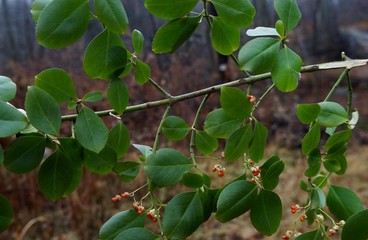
<point x="142" y="72"/>
<point x="137" y="41"/>
<point x="7" y="89"/>
<point x="37" y="7"/>
<point x="332" y="114"/>
<point x="175" y="128"/>
<point x="219" y="124"/>
<point x="307" y="113"/>
<point x="170" y="10"/>
<point x="225" y="38"/>
<point x="311" y="139"/>
<point x="12" y="120"/>
<point x="112" y="14"/>
<point x="235" y="13"/>
<point x="289" y="13"/>
<point x="93" y="96"/>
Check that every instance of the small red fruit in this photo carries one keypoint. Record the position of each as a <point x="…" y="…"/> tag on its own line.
<point x="214" y="169"/>
<point x="154" y="219"/>
<point x="114" y="199"/>
<point x="330" y="234"/>
<point x="139" y="211"/>
<point x="123" y="195"/>
<point x="221" y="173"/>
<point x="285" y="237"/>
<point x="302" y="218"/>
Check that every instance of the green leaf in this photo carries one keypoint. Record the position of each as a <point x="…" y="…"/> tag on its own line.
<point x="43" y="111"/>
<point x="127" y="170"/>
<point x="94" y="96"/>
<point x="119" y="139"/>
<point x="259" y="139"/>
<point x="37" y="7"/>
<point x="145" y="150"/>
<point x="356" y="226"/>
<point x="332" y="114"/>
<point x="338" y="137"/>
<point x="119" y="222"/>
<point x="118" y="95"/>
<point x="183" y="215"/>
<point x="25" y="153"/>
<point x="258" y="55"/>
<point x="102" y="162"/>
<point x="12" y="120"/>
<point x="57" y="83"/>
<point x="62" y="22"/>
<point x="170" y="10"/>
<point x="289" y="13"/>
<point x="342" y="202"/>
<point x="238" y="143"/>
<point x="6" y="213"/>
<point x="235" y="199"/>
<point x="235" y="102"/>
<point x="266" y="212"/>
<point x="174" y="128"/>
<point x="132" y="233"/>
<point x="225" y="38"/>
<point x="105" y="56"/>
<point x="1" y="155"/>
<point x="142" y="72"/>
<point x="192" y="180"/>
<point x="205" y="143"/>
<point x="314" y="163"/>
<point x="262" y="32"/>
<point x="314" y="235"/>
<point x="219" y="124"/>
<point x="280" y="28"/>
<point x="90" y="130"/>
<point x="332" y="165"/>
<point x="311" y="139"/>
<point x="112" y="14"/>
<point x="174" y="33"/>
<point x="239" y="14"/>
<point x="308" y="113"/>
<point x="270" y="172"/>
<point x="7" y="89"/>
<point x="137" y="41"/>
<point x="286" y="70"/>
<point x="166" y="167"/>
<point x="317" y="198"/>
<point x="55" y="175"/>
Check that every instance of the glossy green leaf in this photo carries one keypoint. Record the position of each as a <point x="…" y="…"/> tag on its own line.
<point x="6" y="213"/>
<point x="258" y="55"/>
<point x="314" y="163"/>
<point x="356" y="226"/>
<point x="57" y="83"/>
<point x="280" y="28"/>
<point x="90" y="130"/>
<point x="311" y="139"/>
<point x="312" y="235"/>
<point x="118" y="95"/>
<point x="112" y="14"/>
<point x="183" y="215"/>
<point x="137" y="41"/>
<point x="342" y="136"/>
<point x="259" y="139"/>
<point x="238" y="143"/>
<point x="127" y="170"/>
<point x="119" y="139"/>
<point x="332" y="114"/>
<point x="343" y="164"/>
<point x="12" y="120"/>
<point x="43" y="111"/>
<point x="105" y="56"/>
<point x="174" y="33"/>
<point x="270" y="172"/>
<point x="225" y="38"/>
<point x="205" y="143"/>
<point x="102" y="162"/>
<point x="266" y="212"/>
<point x="332" y="165"/>
<point x="132" y="233"/>
<point x="289" y="13"/>
<point x="142" y="72"/>
<point x="94" y="96"/>
<point x="119" y="222"/>
<point x="317" y="198"/>
<point x="308" y="113"/>
<point x="174" y="128"/>
<point x="7" y="89"/>
<point x="37" y="7"/>
<point x="219" y="124"/>
<point x="62" y="22"/>
<point x="235" y="13"/>
<point x="235" y="102"/>
<point x="170" y="10"/>
<point x="24" y="154"/>
<point x="235" y="199"/>
<point x="342" y="202"/>
<point x="207" y="197"/>
<point x="262" y="32"/>
<point x="55" y="175"/>
<point x="286" y="70"/>
<point x="166" y="167"/>
<point x="192" y="180"/>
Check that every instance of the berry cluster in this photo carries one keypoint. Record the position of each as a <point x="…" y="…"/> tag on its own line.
<point x="138" y="207"/>
<point x="152" y="215"/>
<point x="291" y="233"/>
<point x="256" y="172"/>
<point x="219" y="169"/>
<point x="117" y="198"/>
<point x="295" y="208"/>
<point x="335" y="228"/>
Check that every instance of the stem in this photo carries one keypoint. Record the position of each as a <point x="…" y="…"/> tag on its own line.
<point x="337" y="83"/>
<point x="350" y="97"/>
<point x="159" y="88"/>
<point x="158" y="133"/>
<point x="263" y="96"/>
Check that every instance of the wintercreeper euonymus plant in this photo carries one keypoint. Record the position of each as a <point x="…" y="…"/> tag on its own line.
<point x="60" y="23"/>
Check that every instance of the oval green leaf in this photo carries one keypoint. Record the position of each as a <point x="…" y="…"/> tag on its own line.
<point x="205" y="143"/>
<point x="332" y="114"/>
<point x="142" y="72"/>
<point x="118" y="95"/>
<point x="170" y="10"/>
<point x="119" y="139"/>
<point x="7" y="89"/>
<point x="43" y="111"/>
<point x="102" y="162"/>
<point x="314" y="235"/>
<point x="132" y="233"/>
<point x="12" y="121"/>
<point x="235" y="199"/>
<point x="356" y="227"/>
<point x="235" y="102"/>
<point x="219" y="124"/>
<point x="337" y="137"/>
<point x="270" y="172"/>
<point x="62" y="22"/>
<point x="112" y="14"/>
<point x="288" y="12"/>
<point x="90" y="130"/>
<point x="308" y="113"/>
<point x="259" y="139"/>
<point x="37" y="7"/>
<point x="127" y="170"/>
<point x="174" y="128"/>
<point x="311" y="139"/>
<point x="225" y="38"/>
<point x="238" y="143"/>
<point x="6" y="213"/>
<point x="239" y="14"/>
<point x="192" y="180"/>
<point x="137" y="41"/>
<point x="94" y="96"/>
<point x="314" y="163"/>
<point x="317" y="198"/>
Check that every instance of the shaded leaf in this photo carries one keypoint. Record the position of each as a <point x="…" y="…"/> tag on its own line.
<point x="332" y="114"/>
<point x="259" y="139"/>
<point x="314" y="235"/>
<point x="37" y="7"/>
<point x="127" y="170"/>
<point x="219" y="124"/>
<point x="314" y="163"/>
<point x="112" y="14"/>
<point x="225" y="38"/>
<point x="12" y="120"/>
<point x="238" y="143"/>
<point x="205" y="143"/>
<point x="270" y="172"/>
<point x="174" y="128"/>
<point x="356" y="226"/>
<point x="132" y="233"/>
<point x="7" y="89"/>
<point x="118" y="95"/>
<point x="235" y="102"/>
<point x="170" y="10"/>
<point x="119" y="139"/>
<point x="102" y="162"/>
<point x="311" y="139"/>
<point x="235" y="13"/>
<point x="94" y="96"/>
<point x="192" y="180"/>
<point x="308" y="113"/>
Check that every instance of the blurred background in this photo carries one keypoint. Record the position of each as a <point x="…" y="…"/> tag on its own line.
<point x="327" y="28"/>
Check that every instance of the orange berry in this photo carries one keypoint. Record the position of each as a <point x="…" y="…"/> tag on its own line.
<point x="123" y="195"/>
<point x="139" y="211"/>
<point x="221" y="173"/>
<point x="214" y="169"/>
<point x="302" y="218"/>
<point x="330" y="234"/>
<point x="114" y="199"/>
<point x="285" y="237"/>
<point x="154" y="219"/>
